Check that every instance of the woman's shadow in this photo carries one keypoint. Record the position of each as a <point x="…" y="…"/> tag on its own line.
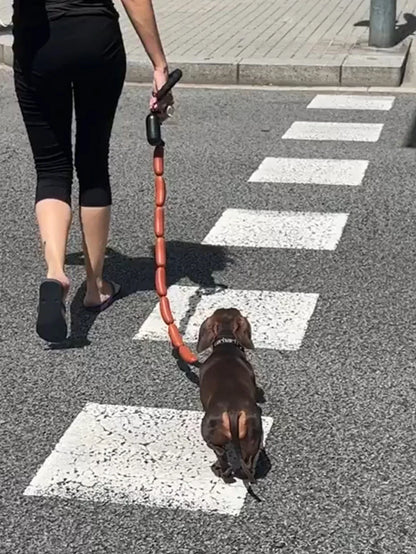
<point x="193" y="261"/>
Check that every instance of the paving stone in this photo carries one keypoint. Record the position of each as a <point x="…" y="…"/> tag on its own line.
<point x="294" y="43"/>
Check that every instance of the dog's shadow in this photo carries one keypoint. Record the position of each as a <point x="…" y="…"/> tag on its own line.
<point x="263" y="466"/>
<point x="191" y="261"/>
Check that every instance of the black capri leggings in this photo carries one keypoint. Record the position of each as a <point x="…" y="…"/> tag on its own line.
<point x="80" y="58"/>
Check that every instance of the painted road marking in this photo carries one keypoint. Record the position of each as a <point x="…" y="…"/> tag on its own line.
<point x="279" y="320"/>
<point x="135" y="455"/>
<point x="310" y="171"/>
<point x="318" y="130"/>
<point x="154" y="328"/>
<point x="270" y="229"/>
<point x="351" y="102"/>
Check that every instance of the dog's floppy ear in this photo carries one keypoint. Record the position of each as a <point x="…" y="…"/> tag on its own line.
<point x="242" y="332"/>
<point x="207" y="334"/>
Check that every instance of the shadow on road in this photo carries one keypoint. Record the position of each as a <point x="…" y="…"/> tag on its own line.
<point x="184" y="260"/>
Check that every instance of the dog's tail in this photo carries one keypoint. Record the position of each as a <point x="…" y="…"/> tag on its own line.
<point x="238" y="431"/>
<point x="238" y="427"/>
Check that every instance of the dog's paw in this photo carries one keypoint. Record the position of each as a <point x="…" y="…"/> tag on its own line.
<point x="225" y="475"/>
<point x="246" y="474"/>
<point x="216" y="469"/>
<point x="228" y="476"/>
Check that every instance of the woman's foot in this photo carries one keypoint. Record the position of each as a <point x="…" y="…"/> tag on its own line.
<point x="100" y="295"/>
<point x="62" y="278"/>
<point x="51" y="322"/>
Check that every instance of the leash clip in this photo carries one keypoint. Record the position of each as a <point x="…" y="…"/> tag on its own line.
<point x="154" y="130"/>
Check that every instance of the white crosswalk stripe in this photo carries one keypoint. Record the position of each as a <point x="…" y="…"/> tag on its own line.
<point x="279" y="319"/>
<point x="131" y="455"/>
<point x="270" y="229"/>
<point x="351" y="102"/>
<point x="154" y="328"/>
<point x="310" y="171"/>
<point x="321" y="130"/>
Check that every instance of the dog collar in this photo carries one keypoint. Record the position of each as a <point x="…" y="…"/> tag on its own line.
<point x="225" y="340"/>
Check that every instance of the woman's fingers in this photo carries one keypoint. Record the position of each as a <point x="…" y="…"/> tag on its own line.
<point x="159" y="79"/>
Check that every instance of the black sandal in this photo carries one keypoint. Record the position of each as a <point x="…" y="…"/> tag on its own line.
<point x="116" y="288"/>
<point x="51" y="323"/>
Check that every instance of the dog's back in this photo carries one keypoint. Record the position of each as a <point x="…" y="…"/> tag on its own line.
<point x="228" y="393"/>
<point x="227" y="378"/>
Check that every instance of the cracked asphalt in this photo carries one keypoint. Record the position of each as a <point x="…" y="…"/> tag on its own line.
<point x="342" y="445"/>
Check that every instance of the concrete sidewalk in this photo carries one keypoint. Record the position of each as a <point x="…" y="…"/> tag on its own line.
<point x="276" y="42"/>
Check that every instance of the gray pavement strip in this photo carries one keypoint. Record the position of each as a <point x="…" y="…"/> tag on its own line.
<point x="360" y="66"/>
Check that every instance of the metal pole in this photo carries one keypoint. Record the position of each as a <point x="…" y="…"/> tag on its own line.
<point x="382" y="23"/>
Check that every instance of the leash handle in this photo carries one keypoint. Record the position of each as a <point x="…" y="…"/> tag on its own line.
<point x="173" y="78"/>
<point x="153" y="124"/>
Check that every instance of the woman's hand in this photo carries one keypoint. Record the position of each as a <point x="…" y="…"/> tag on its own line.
<point x="160" y="76"/>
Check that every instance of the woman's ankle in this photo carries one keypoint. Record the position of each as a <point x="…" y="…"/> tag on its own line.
<point x="94" y="283"/>
<point x="62" y="278"/>
<point x="58" y="276"/>
<point x="96" y="286"/>
<point x="97" y="290"/>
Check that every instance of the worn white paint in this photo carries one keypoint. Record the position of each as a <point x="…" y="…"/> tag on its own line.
<point x="272" y="229"/>
<point x="310" y="171"/>
<point x="278" y="320"/>
<point x="320" y="130"/>
<point x="154" y="327"/>
<point x="135" y="455"/>
<point x="351" y="102"/>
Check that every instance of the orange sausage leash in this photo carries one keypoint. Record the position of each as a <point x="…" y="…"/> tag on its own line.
<point x="155" y="139"/>
<point x="160" y="258"/>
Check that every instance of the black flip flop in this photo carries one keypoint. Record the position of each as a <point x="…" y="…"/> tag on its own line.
<point x="107" y="303"/>
<point x="51" y="324"/>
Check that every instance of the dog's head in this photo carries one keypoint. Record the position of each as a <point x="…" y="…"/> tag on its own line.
<point x="225" y="323"/>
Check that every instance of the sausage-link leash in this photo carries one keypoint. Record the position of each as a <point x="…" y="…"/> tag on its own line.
<point x="154" y="137"/>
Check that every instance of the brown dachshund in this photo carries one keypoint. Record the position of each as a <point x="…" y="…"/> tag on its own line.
<point x="229" y="394"/>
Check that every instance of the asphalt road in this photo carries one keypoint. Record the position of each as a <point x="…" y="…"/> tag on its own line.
<point x="342" y="445"/>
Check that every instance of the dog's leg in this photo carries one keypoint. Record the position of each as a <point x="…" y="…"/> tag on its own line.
<point x="213" y="437"/>
<point x="249" y="469"/>
<point x="221" y="467"/>
<point x="251" y="447"/>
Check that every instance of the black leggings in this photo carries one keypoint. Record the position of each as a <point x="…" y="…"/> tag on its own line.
<point x="80" y="57"/>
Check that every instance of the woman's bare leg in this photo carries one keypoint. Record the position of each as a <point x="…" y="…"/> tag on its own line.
<point x="95" y="223"/>
<point x="54" y="220"/>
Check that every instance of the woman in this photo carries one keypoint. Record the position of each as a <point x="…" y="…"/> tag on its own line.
<point x="65" y="50"/>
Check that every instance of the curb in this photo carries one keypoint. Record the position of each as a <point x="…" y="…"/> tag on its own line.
<point x="362" y="67"/>
<point x="6" y="52"/>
